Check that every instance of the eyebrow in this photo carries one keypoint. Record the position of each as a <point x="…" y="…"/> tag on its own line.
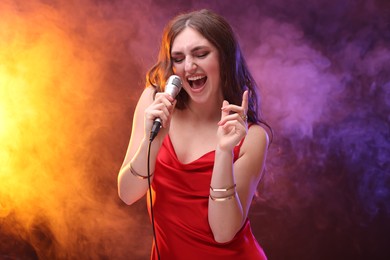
<point x="197" y="48"/>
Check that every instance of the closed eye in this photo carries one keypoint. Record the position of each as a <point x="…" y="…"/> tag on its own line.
<point x="202" y="54"/>
<point x="177" y="59"/>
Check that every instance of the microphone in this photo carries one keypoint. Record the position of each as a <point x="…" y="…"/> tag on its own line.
<point x="172" y="87"/>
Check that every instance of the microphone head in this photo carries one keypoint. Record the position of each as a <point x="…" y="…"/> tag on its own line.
<point x="173" y="86"/>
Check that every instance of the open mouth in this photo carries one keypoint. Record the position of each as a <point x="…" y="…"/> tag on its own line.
<point x="197" y="82"/>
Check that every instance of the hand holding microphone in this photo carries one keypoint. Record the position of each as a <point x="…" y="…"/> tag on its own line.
<point x="172" y="87"/>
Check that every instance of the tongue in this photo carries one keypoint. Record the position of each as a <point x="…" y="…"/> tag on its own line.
<point x="198" y="83"/>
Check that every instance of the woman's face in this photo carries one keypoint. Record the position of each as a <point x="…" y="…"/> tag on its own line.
<point x="196" y="61"/>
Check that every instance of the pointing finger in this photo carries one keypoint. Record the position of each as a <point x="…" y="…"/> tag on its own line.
<point x="244" y="103"/>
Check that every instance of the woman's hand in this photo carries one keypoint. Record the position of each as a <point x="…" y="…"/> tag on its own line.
<point x="233" y="125"/>
<point x="162" y="107"/>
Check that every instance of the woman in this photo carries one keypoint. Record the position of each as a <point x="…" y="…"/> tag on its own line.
<point x="206" y="161"/>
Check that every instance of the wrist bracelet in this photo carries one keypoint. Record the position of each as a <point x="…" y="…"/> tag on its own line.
<point x="223" y="189"/>
<point x="136" y="174"/>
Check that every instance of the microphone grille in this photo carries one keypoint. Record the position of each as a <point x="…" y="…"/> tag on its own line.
<point x="173" y="86"/>
<point x="176" y="81"/>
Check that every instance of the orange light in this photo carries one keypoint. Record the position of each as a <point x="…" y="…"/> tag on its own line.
<point x="49" y="83"/>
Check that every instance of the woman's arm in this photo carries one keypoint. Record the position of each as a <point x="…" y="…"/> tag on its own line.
<point x="233" y="185"/>
<point x="132" y="187"/>
<point x="226" y="216"/>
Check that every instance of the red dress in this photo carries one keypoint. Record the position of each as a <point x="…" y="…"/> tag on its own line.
<point x="180" y="205"/>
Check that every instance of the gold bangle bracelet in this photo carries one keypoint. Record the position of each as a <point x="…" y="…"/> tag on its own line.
<point x="136" y="174"/>
<point x="223" y="189"/>
<point x="223" y="198"/>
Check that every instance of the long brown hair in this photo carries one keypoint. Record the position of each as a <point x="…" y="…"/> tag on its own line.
<point x="234" y="72"/>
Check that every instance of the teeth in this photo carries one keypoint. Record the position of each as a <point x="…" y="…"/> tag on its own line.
<point x="195" y="78"/>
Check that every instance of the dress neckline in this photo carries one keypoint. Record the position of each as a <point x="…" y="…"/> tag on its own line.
<point x="172" y="148"/>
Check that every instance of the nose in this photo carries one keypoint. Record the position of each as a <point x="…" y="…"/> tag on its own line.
<point x="190" y="66"/>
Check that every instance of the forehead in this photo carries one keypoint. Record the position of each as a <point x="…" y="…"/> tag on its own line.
<point x="188" y="39"/>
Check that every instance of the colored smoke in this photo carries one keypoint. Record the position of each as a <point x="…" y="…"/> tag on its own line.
<point x="70" y="75"/>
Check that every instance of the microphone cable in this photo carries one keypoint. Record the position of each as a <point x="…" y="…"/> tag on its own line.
<point x="172" y="87"/>
<point x="151" y="201"/>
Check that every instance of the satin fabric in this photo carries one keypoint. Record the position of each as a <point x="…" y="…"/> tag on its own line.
<point x="180" y="195"/>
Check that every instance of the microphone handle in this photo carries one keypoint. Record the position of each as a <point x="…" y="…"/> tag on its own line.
<point x="155" y="129"/>
<point x="172" y="87"/>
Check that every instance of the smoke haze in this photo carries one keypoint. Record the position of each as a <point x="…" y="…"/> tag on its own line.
<point x="70" y="75"/>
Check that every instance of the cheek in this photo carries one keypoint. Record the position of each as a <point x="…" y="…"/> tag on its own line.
<point x="178" y="70"/>
<point x="215" y="72"/>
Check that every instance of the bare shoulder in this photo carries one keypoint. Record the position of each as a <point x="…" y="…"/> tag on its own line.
<point x="147" y="94"/>
<point x="145" y="99"/>
<point x="256" y="141"/>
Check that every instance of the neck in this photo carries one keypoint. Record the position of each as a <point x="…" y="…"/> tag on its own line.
<point x="210" y="112"/>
